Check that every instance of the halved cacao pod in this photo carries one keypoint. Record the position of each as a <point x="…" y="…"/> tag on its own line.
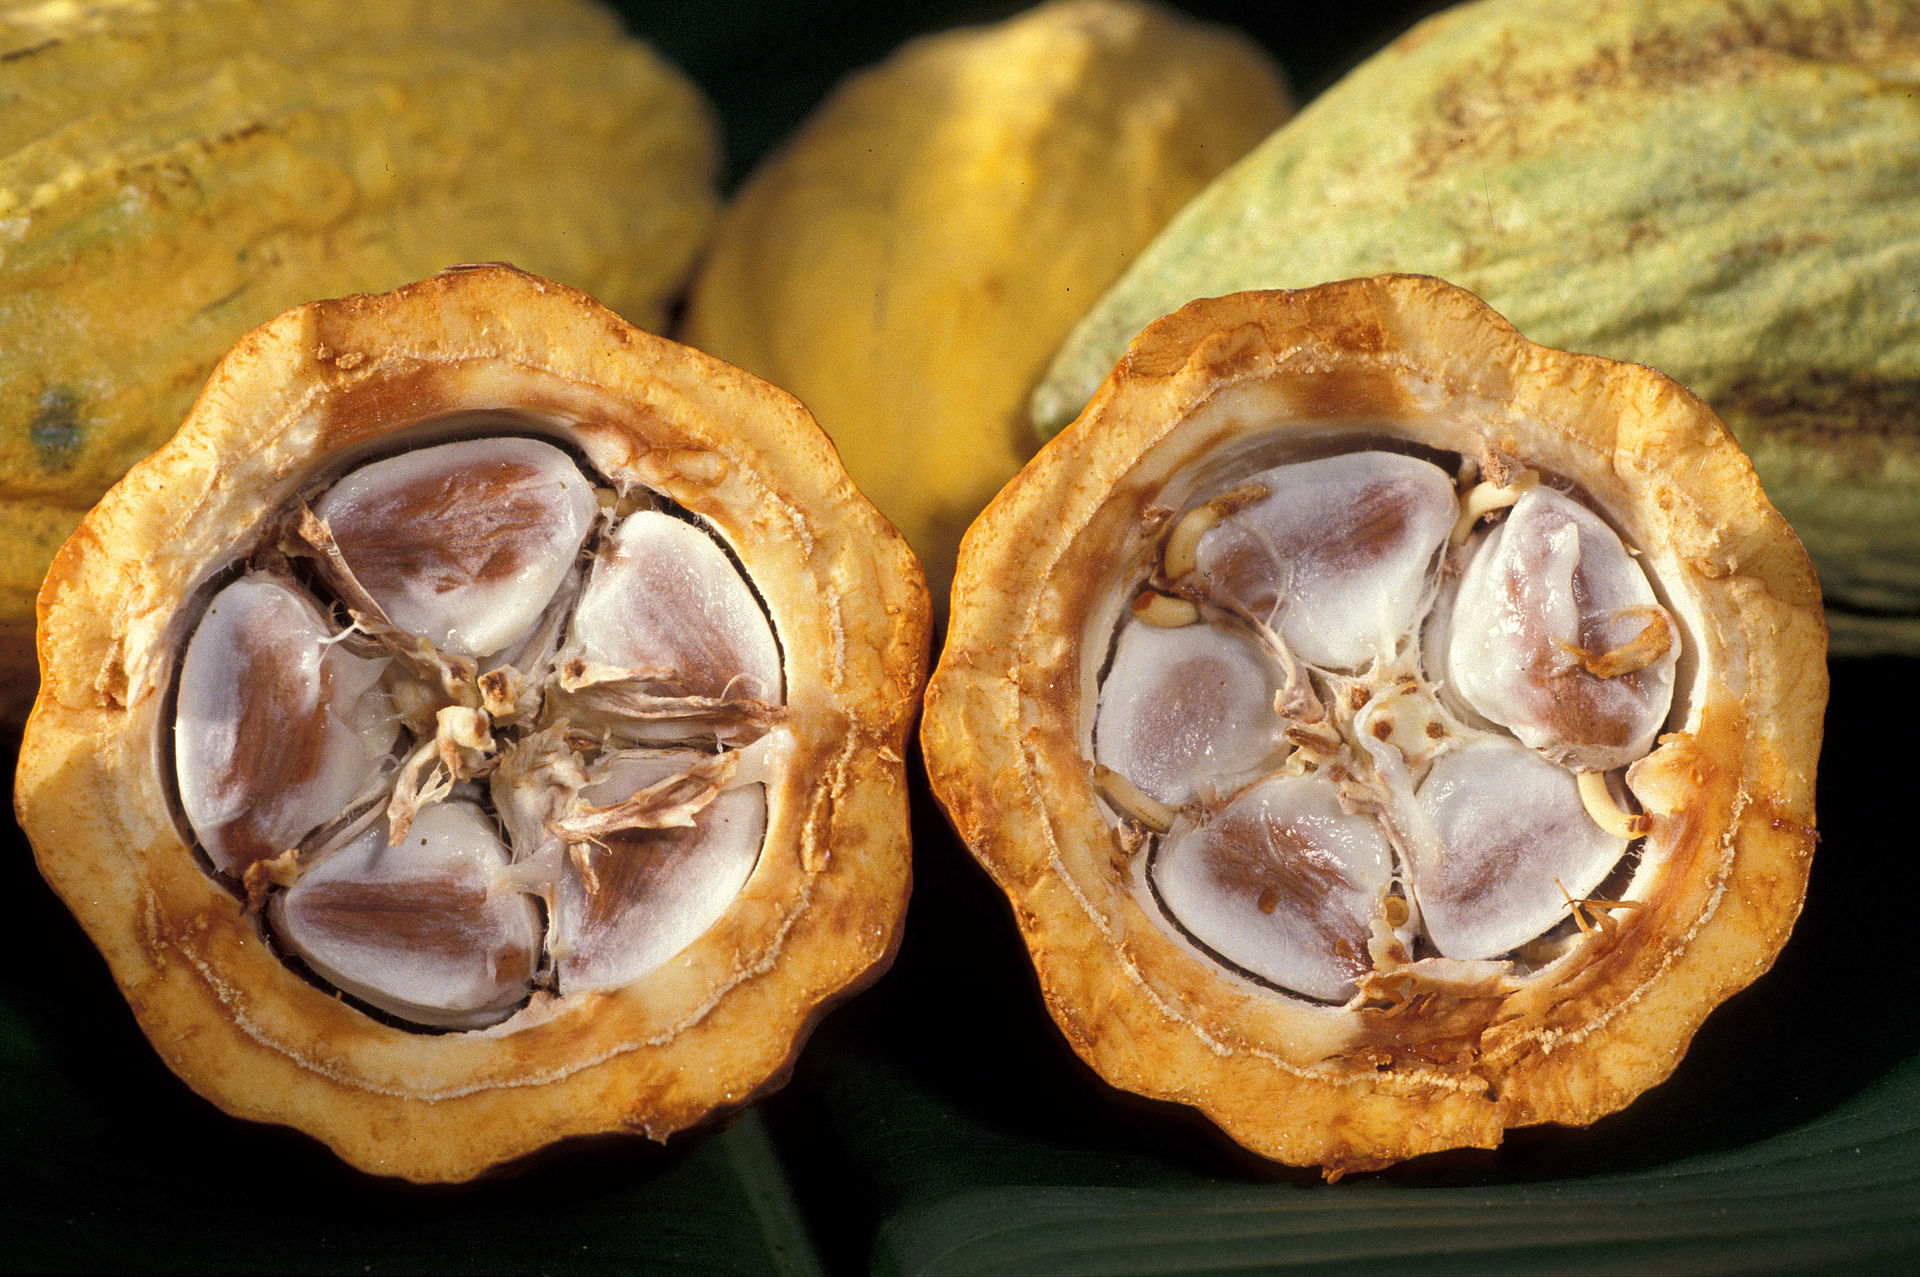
<point x="1387" y="731"/>
<point x="482" y="724"/>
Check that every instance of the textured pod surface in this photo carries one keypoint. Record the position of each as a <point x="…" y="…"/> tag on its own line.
<point x="172" y="175"/>
<point x="1316" y="939"/>
<point x="909" y="261"/>
<point x="1727" y="193"/>
<point x="545" y="783"/>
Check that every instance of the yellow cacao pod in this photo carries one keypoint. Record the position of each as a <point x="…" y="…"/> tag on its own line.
<point x="906" y="265"/>
<point x="1729" y="194"/>
<point x="172" y="175"/>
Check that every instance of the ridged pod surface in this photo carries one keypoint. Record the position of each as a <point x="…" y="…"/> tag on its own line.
<point x="173" y="174"/>
<point x="1387" y="731"/>
<point x="1729" y="193"/>
<point x="909" y="261"/>
<point x="482" y="724"/>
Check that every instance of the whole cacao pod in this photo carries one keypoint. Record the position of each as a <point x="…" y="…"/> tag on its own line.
<point x="172" y="175"/>
<point x="906" y="265"/>
<point x="1728" y="193"/>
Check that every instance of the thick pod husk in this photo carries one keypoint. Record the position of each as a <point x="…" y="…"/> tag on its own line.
<point x="173" y="174"/>
<point x="1407" y="1068"/>
<point x="908" y="263"/>
<point x="295" y="401"/>
<point x="1728" y="193"/>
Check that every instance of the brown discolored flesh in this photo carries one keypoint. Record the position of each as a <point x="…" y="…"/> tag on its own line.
<point x="279" y="730"/>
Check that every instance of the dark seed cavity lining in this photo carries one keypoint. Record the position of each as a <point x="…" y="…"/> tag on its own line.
<point x="260" y="552"/>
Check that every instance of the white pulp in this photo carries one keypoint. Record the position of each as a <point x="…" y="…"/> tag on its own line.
<point x="1337" y="556"/>
<point x="536" y="846"/>
<point x="654" y="891"/>
<point x="278" y="729"/>
<point x="665" y="599"/>
<point x="1339" y="796"/>
<point x="1550" y="579"/>
<point x="1282" y="883"/>
<point x="1185" y="707"/>
<point x="427" y="928"/>
<point x="1511" y="844"/>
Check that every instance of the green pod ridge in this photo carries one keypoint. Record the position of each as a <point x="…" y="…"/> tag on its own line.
<point x="1728" y="194"/>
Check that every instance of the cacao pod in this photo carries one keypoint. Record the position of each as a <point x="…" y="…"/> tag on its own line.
<point x="1387" y="732"/>
<point x="482" y="724"/>
<point x="172" y="175"/>
<point x="908" y="262"/>
<point x="1729" y="194"/>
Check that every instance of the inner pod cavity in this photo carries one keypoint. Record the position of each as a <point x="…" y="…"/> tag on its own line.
<point x="473" y="724"/>
<point x="1366" y="710"/>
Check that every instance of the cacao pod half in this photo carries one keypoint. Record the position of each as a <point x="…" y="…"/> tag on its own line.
<point x="1387" y="731"/>
<point x="1726" y="193"/>
<point x="482" y="724"/>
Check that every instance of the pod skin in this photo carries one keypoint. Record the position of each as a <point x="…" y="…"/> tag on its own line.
<point x="336" y="381"/>
<point x="1422" y="1059"/>
<point x="908" y="263"/>
<point x="172" y="175"/>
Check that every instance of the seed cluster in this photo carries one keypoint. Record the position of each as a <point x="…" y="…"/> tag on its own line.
<point x="1362" y="714"/>
<point x="473" y="728"/>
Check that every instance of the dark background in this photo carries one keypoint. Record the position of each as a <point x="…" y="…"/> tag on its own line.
<point x="766" y="65"/>
<point x="936" y="1122"/>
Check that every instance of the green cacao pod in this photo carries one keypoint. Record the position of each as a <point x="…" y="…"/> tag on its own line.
<point x="172" y="175"/>
<point x="1728" y="193"/>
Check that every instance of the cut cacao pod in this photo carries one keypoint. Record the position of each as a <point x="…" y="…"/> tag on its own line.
<point x="482" y="724"/>
<point x="1388" y="731"/>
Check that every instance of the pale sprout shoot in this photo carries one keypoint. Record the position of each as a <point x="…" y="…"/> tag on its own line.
<point x="1129" y="800"/>
<point x="1167" y="611"/>
<point x="1596" y="795"/>
<point x="1483" y="499"/>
